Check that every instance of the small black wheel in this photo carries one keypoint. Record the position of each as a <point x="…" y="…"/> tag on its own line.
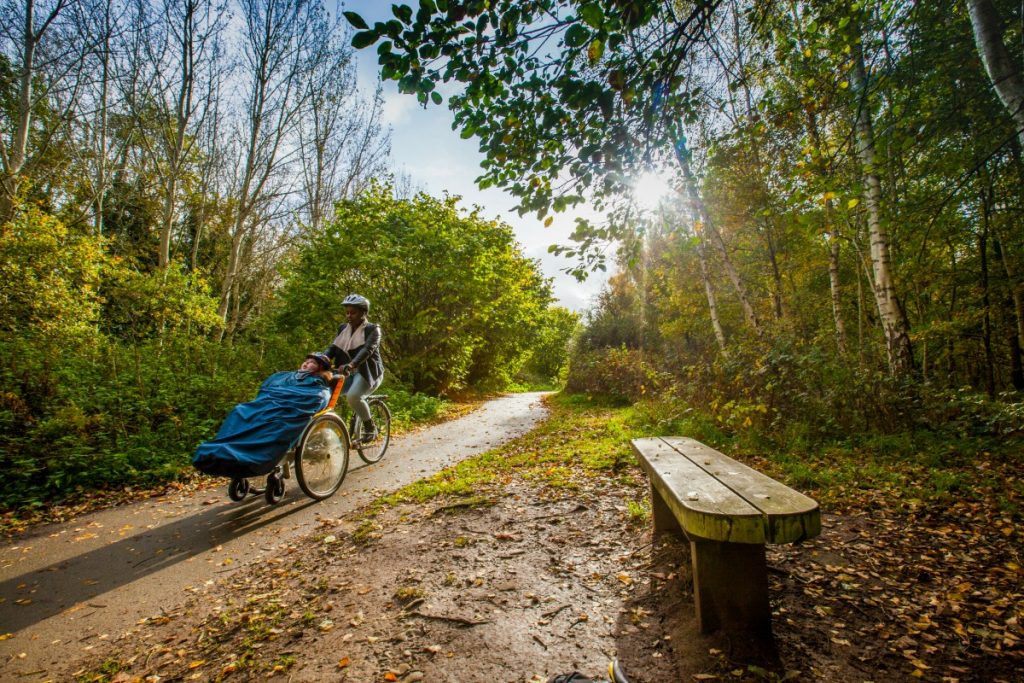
<point x="373" y="450"/>
<point x="321" y="458"/>
<point x="238" y="489"/>
<point x="275" y="489"/>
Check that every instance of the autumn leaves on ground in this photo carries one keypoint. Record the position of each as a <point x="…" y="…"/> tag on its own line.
<point x="537" y="559"/>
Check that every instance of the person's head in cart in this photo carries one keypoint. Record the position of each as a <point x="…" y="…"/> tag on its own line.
<point x="318" y="364"/>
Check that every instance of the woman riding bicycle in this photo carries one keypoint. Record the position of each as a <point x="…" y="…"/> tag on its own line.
<point x="356" y="351"/>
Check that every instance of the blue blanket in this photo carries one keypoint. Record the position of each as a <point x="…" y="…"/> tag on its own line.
<point x="255" y="435"/>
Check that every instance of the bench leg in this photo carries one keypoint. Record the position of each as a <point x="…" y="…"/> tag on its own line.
<point x="730" y="587"/>
<point x="664" y="519"/>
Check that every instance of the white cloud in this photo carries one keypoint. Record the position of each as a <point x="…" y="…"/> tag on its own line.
<point x="398" y="108"/>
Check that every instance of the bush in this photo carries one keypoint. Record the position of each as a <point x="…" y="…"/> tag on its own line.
<point x="621" y="373"/>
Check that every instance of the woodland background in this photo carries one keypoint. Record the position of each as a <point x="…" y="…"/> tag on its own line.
<point x="189" y="190"/>
<point x="189" y="187"/>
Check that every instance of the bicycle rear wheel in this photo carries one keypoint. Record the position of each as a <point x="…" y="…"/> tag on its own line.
<point x="321" y="458"/>
<point x="373" y="451"/>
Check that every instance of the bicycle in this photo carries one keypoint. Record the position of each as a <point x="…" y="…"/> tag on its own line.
<point x="321" y="454"/>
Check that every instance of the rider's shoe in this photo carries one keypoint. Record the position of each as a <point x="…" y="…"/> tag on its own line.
<point x="369" y="433"/>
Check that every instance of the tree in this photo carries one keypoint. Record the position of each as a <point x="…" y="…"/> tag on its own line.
<point x="565" y="96"/>
<point x="458" y="303"/>
<point x="46" y="60"/>
<point x="1003" y="69"/>
<point x="277" y="38"/>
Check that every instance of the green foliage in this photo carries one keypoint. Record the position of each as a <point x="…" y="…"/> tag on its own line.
<point x="549" y="356"/>
<point x="458" y="303"/>
<point x="564" y="96"/>
<point x="51" y="279"/>
<point x="621" y="374"/>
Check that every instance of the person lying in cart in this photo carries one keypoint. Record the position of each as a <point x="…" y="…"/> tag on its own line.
<point x="255" y="435"/>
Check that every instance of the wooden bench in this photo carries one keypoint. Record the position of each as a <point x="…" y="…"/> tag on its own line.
<point x="728" y="512"/>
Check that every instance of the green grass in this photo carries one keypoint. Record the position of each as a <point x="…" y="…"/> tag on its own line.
<point x="582" y="437"/>
<point x="588" y="436"/>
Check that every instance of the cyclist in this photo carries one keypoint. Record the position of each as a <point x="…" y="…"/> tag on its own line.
<point x="356" y="351"/>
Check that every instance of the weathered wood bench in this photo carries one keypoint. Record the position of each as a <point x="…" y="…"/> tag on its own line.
<point x="728" y="512"/>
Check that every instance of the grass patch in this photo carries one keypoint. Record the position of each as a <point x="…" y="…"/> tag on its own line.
<point x="583" y="436"/>
<point x="588" y="436"/>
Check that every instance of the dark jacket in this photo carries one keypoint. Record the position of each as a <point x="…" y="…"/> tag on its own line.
<point x="366" y="358"/>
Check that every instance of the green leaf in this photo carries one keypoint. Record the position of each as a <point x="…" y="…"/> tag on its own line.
<point x="577" y="35"/>
<point x="356" y="21"/>
<point x="403" y="12"/>
<point x="364" y="39"/>
<point x="436" y="97"/>
<point x="592" y="15"/>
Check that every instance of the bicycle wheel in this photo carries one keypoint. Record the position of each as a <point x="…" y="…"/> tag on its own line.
<point x="321" y="458"/>
<point x="373" y="451"/>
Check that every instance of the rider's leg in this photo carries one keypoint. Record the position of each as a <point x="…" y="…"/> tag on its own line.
<point x="355" y="393"/>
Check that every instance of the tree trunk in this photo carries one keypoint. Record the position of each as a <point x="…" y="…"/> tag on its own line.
<point x="1003" y="70"/>
<point x="708" y="228"/>
<point x="709" y="290"/>
<point x="833" y="279"/>
<point x="986" y="308"/>
<point x="893" y="318"/>
<point x="1014" y="308"/>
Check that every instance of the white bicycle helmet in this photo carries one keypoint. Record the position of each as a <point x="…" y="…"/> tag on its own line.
<point x="357" y="301"/>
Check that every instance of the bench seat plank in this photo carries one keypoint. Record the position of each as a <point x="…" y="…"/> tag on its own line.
<point x="790" y="516"/>
<point x="704" y="506"/>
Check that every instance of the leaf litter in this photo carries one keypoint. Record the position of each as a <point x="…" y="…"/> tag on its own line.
<point x="547" y="579"/>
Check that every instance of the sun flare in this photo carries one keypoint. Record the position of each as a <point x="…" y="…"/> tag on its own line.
<point x="650" y="189"/>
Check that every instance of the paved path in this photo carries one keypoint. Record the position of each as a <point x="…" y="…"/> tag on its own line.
<point x="66" y="587"/>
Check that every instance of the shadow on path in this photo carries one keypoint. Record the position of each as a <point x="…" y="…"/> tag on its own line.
<point x="80" y="579"/>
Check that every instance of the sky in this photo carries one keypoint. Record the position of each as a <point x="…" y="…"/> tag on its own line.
<point x="424" y="146"/>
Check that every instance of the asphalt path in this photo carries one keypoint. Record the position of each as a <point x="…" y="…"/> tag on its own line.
<point x="66" y="588"/>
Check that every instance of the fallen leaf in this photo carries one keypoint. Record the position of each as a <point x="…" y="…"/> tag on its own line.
<point x="343" y="662"/>
<point x="389" y="676"/>
<point x="196" y="664"/>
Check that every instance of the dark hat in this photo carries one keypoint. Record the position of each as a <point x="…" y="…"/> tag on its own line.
<point x="322" y="358"/>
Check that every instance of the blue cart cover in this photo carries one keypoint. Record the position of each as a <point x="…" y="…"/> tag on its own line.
<point x="255" y="435"/>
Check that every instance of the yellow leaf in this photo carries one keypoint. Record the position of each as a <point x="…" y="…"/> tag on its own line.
<point x="23" y="601"/>
<point x="807" y="52"/>
<point x="343" y="662"/>
<point x="624" y="578"/>
<point x="844" y="84"/>
<point x="852" y="203"/>
<point x="548" y="221"/>
<point x="196" y="664"/>
<point x="389" y="676"/>
<point x="6" y="636"/>
<point x="829" y="195"/>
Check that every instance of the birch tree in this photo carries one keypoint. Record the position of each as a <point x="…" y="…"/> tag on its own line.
<point x="1003" y="69"/>
<point x="893" y="318"/>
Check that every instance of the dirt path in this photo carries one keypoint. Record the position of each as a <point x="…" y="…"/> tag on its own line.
<point x="67" y="587"/>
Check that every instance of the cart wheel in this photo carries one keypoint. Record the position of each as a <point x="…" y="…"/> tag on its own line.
<point x="275" y="489"/>
<point x="238" y="489"/>
<point x="321" y="458"/>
